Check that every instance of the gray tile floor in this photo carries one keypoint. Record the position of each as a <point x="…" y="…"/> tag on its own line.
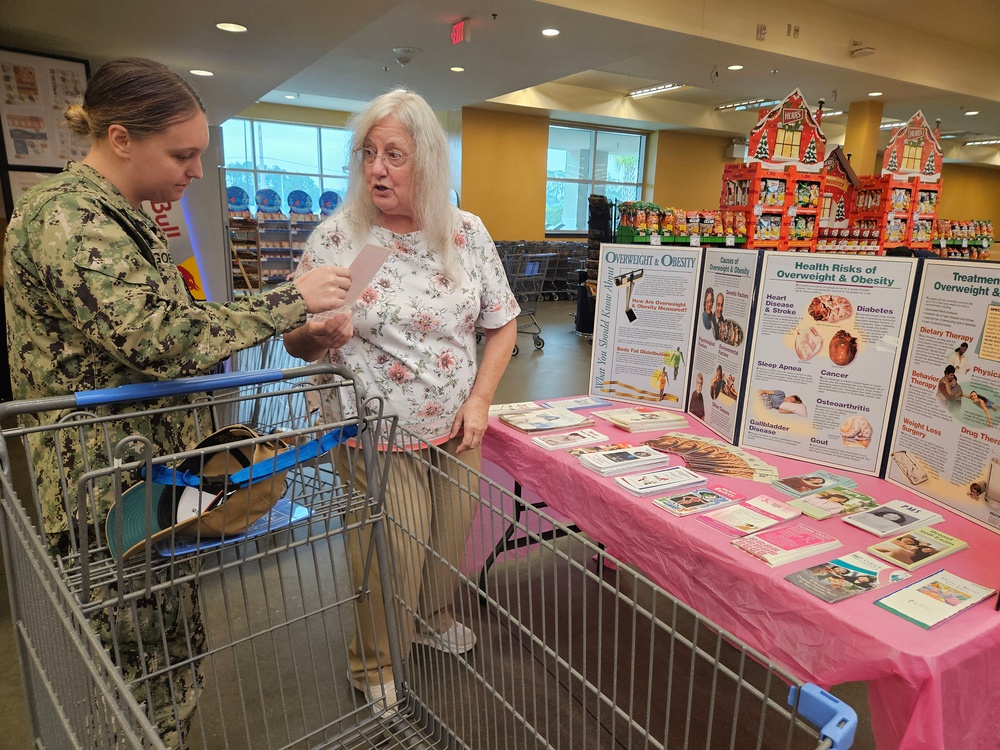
<point x="560" y="368"/>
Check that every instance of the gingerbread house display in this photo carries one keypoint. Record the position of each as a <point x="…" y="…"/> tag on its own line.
<point x="788" y="135"/>
<point x="840" y="180"/>
<point x="913" y="151"/>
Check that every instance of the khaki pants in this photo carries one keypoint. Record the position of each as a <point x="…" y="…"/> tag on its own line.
<point x="427" y="512"/>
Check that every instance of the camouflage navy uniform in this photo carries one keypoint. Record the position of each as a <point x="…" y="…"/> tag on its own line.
<point x="93" y="301"/>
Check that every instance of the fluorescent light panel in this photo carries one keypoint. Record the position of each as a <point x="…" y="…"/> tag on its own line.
<point x="987" y="142"/>
<point x="747" y="104"/>
<point x="650" y="90"/>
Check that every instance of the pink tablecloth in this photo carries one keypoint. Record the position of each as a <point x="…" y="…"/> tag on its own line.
<point x="928" y="690"/>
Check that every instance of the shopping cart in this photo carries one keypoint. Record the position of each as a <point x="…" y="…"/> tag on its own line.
<point x="526" y="274"/>
<point x="566" y="658"/>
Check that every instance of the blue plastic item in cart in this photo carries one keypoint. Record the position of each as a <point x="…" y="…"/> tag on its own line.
<point x="836" y="720"/>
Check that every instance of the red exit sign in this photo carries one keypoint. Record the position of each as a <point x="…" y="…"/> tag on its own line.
<point x="460" y="31"/>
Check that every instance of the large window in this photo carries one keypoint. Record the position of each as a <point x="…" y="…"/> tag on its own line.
<point x="285" y="157"/>
<point x="582" y="161"/>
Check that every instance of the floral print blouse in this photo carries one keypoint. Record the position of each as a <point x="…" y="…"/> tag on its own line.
<point x="414" y="337"/>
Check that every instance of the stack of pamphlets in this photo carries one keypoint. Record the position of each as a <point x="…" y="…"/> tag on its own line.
<point x="623" y="460"/>
<point x="893" y="518"/>
<point x="805" y="484"/>
<point x="579" y="402"/>
<point x="698" y="501"/>
<point x="934" y="599"/>
<point x="836" y="501"/>
<point x="786" y="544"/>
<point x="515" y="408"/>
<point x="572" y="439"/>
<point x="643" y="419"/>
<point x="756" y="514"/>
<point x="540" y="420"/>
<point x="656" y="482"/>
<point x="845" y="576"/>
<point x="917" y="547"/>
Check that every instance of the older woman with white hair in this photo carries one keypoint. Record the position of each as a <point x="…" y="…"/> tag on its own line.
<point x="411" y="339"/>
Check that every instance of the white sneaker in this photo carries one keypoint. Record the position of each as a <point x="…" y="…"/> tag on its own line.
<point x="455" y="640"/>
<point x="382" y="695"/>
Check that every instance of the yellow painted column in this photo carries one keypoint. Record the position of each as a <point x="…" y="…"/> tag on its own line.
<point x="861" y="138"/>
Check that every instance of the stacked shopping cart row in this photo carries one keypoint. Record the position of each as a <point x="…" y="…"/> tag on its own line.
<point x="562" y="274"/>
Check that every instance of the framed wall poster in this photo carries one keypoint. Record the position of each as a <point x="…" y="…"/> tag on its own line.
<point x="644" y="323"/>
<point x="946" y="442"/>
<point x="726" y="302"/>
<point x="36" y="91"/>
<point x="825" y="354"/>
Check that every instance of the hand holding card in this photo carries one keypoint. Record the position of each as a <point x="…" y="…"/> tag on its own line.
<point x="363" y="270"/>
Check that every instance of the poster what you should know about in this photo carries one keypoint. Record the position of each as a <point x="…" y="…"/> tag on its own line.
<point x="645" y="314"/>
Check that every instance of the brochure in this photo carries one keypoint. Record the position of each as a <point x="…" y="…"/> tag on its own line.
<point x="932" y="600"/>
<point x="892" y="518"/>
<point x="644" y="420"/>
<point x="836" y="501"/>
<point x="786" y="544"/>
<point x="518" y="407"/>
<point x="698" y="501"/>
<point x="845" y="576"/>
<point x="541" y="420"/>
<point x="662" y="480"/>
<point x="756" y="514"/>
<point x="918" y="547"/>
<point x="623" y="460"/>
<point x="805" y="484"/>
<point x="564" y="440"/>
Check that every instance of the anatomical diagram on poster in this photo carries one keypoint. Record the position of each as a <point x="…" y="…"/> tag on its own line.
<point x="946" y="443"/>
<point x="825" y="353"/>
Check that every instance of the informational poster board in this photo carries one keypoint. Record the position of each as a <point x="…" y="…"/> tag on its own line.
<point x="36" y="91"/>
<point x="946" y="443"/>
<point x="644" y="319"/>
<point x="726" y="302"/>
<point x="824" y="359"/>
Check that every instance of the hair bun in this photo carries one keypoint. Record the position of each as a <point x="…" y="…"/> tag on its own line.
<point x="78" y="120"/>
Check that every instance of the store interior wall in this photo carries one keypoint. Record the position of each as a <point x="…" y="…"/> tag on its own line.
<point x="503" y="171"/>
<point x="970" y="192"/>
<point x="688" y="171"/>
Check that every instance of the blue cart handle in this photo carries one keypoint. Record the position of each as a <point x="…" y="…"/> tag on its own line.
<point x="836" y="720"/>
<point x="179" y="387"/>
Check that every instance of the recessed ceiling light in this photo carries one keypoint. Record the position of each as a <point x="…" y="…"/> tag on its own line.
<point x="972" y="112"/>
<point x="874" y="93"/>
<point x="735" y="67"/>
<point x="197" y="72"/>
<point x="550" y="32"/>
<point x="291" y="96"/>
<point x="457" y="69"/>
<point x="235" y="28"/>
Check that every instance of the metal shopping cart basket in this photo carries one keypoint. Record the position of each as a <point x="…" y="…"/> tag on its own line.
<point x="527" y="273"/>
<point x="566" y="658"/>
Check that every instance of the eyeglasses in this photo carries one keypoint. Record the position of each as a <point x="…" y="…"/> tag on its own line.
<point x="392" y="158"/>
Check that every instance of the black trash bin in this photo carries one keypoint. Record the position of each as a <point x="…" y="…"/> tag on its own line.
<point x="586" y="307"/>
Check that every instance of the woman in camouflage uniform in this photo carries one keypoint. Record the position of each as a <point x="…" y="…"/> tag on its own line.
<point x="92" y="301"/>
